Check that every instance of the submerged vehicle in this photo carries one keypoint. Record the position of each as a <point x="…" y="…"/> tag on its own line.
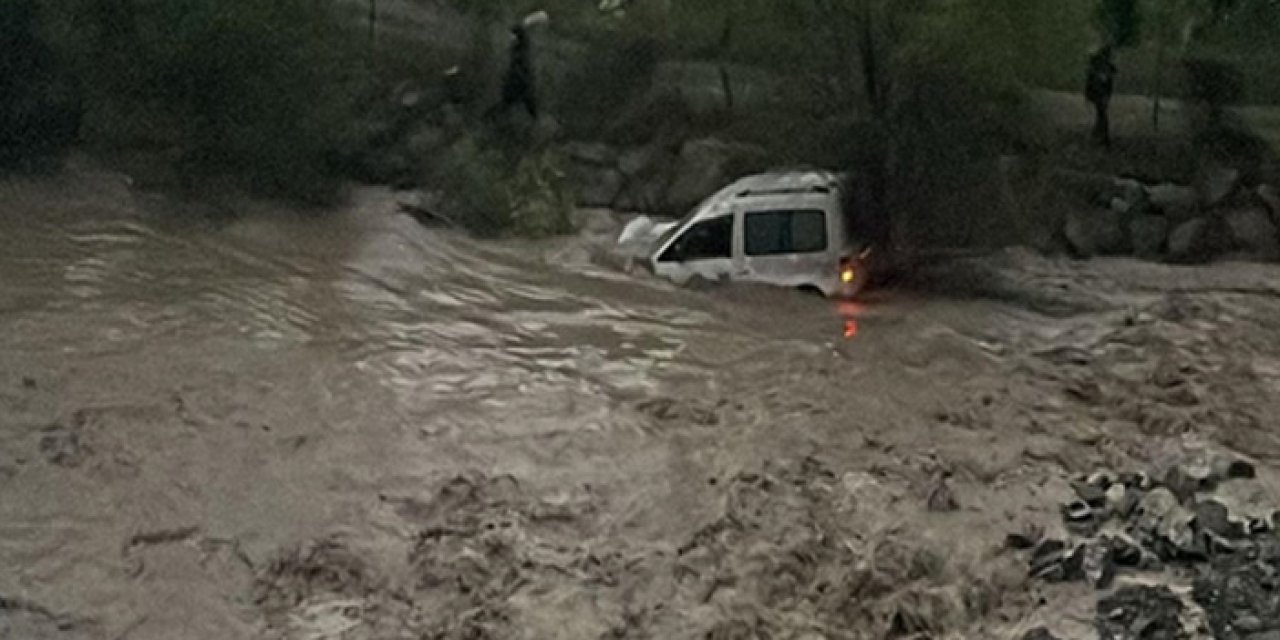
<point x="784" y="228"/>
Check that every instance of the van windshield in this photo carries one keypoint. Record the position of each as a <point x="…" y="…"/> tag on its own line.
<point x="666" y="235"/>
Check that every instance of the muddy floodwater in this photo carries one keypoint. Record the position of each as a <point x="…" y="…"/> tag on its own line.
<point x="346" y="425"/>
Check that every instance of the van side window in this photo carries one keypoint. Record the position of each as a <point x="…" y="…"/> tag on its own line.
<point x="706" y="240"/>
<point x="779" y="232"/>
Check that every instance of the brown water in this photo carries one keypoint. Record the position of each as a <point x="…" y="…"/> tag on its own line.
<point x="350" y="426"/>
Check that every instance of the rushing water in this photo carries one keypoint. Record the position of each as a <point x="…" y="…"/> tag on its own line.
<point x="182" y="396"/>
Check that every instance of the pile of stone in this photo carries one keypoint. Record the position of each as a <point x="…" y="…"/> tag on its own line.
<point x="1219" y="217"/>
<point x="1189" y="523"/>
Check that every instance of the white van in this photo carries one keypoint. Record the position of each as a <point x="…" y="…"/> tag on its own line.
<point x="785" y="228"/>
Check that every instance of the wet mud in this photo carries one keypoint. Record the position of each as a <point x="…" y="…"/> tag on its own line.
<point x="349" y="426"/>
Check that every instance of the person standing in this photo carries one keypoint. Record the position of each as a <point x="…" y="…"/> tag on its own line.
<point x="518" y="85"/>
<point x="1099" y="86"/>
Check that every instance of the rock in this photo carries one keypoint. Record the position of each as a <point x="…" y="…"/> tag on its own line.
<point x="706" y="165"/>
<point x="1117" y="500"/>
<point x="1024" y="540"/>
<point x="1100" y="479"/>
<point x="941" y="497"/>
<point x="1094" y="232"/>
<point x="1039" y="633"/>
<point x="63" y="447"/>
<point x="1136" y="612"/>
<point x="1217" y="184"/>
<point x="1253" y="232"/>
<point x="1270" y="197"/>
<point x="1152" y="510"/>
<point x="1176" y="536"/>
<point x="1177" y="202"/>
<point x="1238" y="593"/>
<point x="1092" y="188"/>
<point x="1126" y="552"/>
<point x="1098" y="564"/>
<point x="1120" y="205"/>
<point x="1077" y="511"/>
<point x="639" y="160"/>
<point x="596" y="187"/>
<point x="1130" y="192"/>
<point x="1190" y="242"/>
<point x="1093" y="495"/>
<point x="1139" y="480"/>
<point x="1247" y="624"/>
<point x="594" y="221"/>
<point x="1227" y="468"/>
<point x="1148" y="235"/>
<point x="1213" y="517"/>
<point x="426" y="207"/>
<point x="1047" y="561"/>
<point x="647" y="194"/>
<point x="1187" y="479"/>
<point x="592" y="153"/>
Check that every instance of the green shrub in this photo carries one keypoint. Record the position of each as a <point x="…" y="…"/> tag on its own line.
<point x="472" y="178"/>
<point x="40" y="108"/>
<point x="539" y="197"/>
<point x="492" y="190"/>
<point x="606" y="77"/>
<point x="258" y="89"/>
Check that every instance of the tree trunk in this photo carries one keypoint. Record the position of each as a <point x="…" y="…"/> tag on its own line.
<point x="726" y="83"/>
<point x="1158" y="89"/>
<point x="870" y="62"/>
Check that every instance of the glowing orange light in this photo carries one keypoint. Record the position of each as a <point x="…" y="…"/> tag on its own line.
<point x="847" y="275"/>
<point x="850" y="329"/>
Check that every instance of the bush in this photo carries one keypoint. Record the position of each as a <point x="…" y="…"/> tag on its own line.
<point x="257" y="89"/>
<point x="40" y="110"/>
<point x="1213" y="83"/>
<point x="607" y="77"/>
<point x="539" y="197"/>
<point x="493" y="191"/>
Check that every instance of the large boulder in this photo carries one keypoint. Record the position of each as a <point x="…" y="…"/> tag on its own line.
<point x="640" y="160"/>
<point x="1177" y="202"/>
<point x="1217" y="184"/>
<point x="1093" y="188"/>
<point x="596" y="186"/>
<point x="707" y="165"/>
<point x="1191" y="242"/>
<point x="425" y="141"/>
<point x="1253" y="233"/>
<point x="645" y="194"/>
<point x="1094" y="232"/>
<point x="1270" y="196"/>
<point x="1127" y="195"/>
<point x="1148" y="235"/>
<point x="592" y="153"/>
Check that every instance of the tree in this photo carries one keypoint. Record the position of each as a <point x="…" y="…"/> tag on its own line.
<point x="1120" y="21"/>
<point x="1176" y="25"/>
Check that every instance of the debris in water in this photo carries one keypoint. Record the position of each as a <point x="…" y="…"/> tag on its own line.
<point x="941" y="497"/>
<point x="1139" y="612"/>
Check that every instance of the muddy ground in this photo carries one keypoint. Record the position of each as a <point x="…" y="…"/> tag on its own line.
<point x="283" y="425"/>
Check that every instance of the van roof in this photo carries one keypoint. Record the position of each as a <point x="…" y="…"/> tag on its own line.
<point x="784" y="182"/>
<point x="762" y="185"/>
